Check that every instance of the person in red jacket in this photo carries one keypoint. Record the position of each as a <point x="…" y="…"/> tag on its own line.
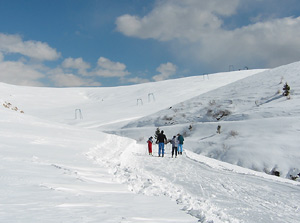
<point x="150" y="141"/>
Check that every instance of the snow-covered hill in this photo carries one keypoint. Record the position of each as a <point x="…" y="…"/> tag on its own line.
<point x="259" y="126"/>
<point x="58" y="164"/>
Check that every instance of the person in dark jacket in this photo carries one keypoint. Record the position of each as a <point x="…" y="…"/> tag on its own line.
<point x="180" y="143"/>
<point x="161" y="140"/>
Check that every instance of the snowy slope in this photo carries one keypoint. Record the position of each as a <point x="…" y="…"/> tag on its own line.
<point x="102" y="107"/>
<point x="47" y="174"/>
<point x="59" y="167"/>
<point x="260" y="131"/>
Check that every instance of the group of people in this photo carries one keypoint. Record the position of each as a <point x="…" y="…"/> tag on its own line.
<point x="176" y="141"/>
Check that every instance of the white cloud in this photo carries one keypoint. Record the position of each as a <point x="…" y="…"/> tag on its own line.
<point x="18" y="73"/>
<point x="265" y="44"/>
<point x="177" y="19"/>
<point x="135" y="80"/>
<point x="28" y="72"/>
<point x="108" y="68"/>
<point x="195" y="31"/>
<point x="166" y="71"/>
<point x="33" y="49"/>
<point x="109" y="65"/>
<point x="105" y="67"/>
<point x="77" y="63"/>
<point x="61" y="79"/>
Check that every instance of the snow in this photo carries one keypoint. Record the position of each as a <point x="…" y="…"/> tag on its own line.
<point x="59" y="167"/>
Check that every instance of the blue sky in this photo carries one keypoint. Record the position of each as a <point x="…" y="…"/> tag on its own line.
<point x="74" y="43"/>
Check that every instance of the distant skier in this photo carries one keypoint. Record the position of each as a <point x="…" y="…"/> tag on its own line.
<point x="180" y="139"/>
<point x="174" y="143"/>
<point x="161" y="140"/>
<point x="150" y="141"/>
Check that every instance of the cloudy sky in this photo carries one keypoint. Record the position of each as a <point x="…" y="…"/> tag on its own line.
<point x="73" y="43"/>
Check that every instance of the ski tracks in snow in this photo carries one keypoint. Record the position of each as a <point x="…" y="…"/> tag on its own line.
<point x="154" y="176"/>
<point x="211" y="194"/>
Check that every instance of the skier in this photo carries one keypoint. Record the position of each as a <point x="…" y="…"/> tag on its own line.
<point x="174" y="143"/>
<point x="161" y="140"/>
<point x="150" y="141"/>
<point x="180" y="139"/>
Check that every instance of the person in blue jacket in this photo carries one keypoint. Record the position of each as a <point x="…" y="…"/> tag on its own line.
<point x="180" y="143"/>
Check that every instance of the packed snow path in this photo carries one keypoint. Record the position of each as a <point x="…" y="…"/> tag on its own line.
<point x="210" y="193"/>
